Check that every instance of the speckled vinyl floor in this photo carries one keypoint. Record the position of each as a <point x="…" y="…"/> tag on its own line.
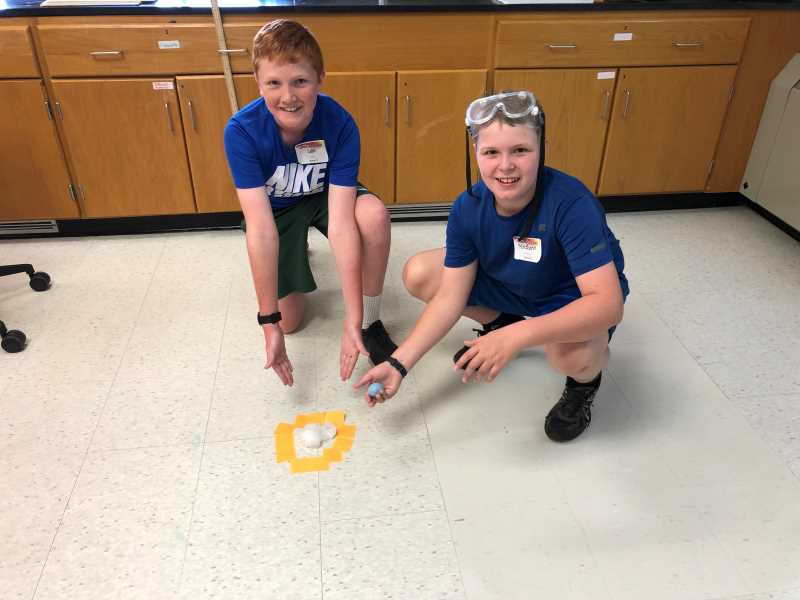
<point x="137" y="457"/>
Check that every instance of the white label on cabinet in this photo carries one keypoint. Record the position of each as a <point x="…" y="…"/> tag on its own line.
<point x="167" y="44"/>
<point x="606" y="75"/>
<point x="163" y="85"/>
<point x="623" y="37"/>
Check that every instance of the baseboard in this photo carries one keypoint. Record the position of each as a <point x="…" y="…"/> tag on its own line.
<point x="777" y="221"/>
<point x="399" y="214"/>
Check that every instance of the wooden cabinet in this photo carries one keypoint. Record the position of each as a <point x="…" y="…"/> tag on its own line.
<point x="431" y="155"/>
<point x="16" y="52"/>
<point x="205" y="109"/>
<point x="34" y="180"/>
<point x="664" y="129"/>
<point x="370" y="99"/>
<point x="129" y="49"/>
<point x="635" y="100"/>
<point x="582" y="42"/>
<point x="577" y="107"/>
<point x="126" y="142"/>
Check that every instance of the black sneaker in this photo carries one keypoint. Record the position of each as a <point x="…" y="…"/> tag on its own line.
<point x="501" y="321"/>
<point x="379" y="345"/>
<point x="573" y="412"/>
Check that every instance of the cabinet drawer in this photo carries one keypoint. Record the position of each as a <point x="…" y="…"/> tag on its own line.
<point x="373" y="42"/>
<point x="583" y="43"/>
<point x="16" y="53"/>
<point x="153" y="49"/>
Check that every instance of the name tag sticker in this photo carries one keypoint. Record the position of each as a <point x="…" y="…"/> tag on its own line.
<point x="309" y="153"/>
<point x="163" y="85"/>
<point x="167" y="44"/>
<point x="623" y="37"/>
<point x="606" y="75"/>
<point x="527" y="249"/>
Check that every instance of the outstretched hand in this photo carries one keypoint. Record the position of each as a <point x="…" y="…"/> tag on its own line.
<point x="277" y="359"/>
<point x="387" y="376"/>
<point x="352" y="345"/>
<point x="486" y="357"/>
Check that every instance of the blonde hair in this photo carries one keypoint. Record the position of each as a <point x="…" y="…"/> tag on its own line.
<point x="287" y="41"/>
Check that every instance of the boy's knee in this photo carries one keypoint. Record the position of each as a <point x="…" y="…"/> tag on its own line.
<point x="371" y="214"/>
<point x="292" y="312"/>
<point x="573" y="359"/>
<point x="416" y="277"/>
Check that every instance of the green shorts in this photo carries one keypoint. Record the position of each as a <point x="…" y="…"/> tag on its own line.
<point x="294" y="270"/>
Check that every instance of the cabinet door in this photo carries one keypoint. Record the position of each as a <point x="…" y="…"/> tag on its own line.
<point x="33" y="176"/>
<point x="431" y="132"/>
<point x="369" y="98"/>
<point x="664" y="129"/>
<point x="577" y="107"/>
<point x="126" y="142"/>
<point x="205" y="109"/>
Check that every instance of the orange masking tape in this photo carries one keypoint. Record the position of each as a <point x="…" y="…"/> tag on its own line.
<point x="284" y="447"/>
<point x="312" y="463"/>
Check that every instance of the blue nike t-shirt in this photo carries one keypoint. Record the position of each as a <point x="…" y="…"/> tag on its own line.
<point x="258" y="157"/>
<point x="573" y="238"/>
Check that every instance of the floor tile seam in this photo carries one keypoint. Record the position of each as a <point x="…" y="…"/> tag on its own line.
<point x="97" y="425"/>
<point x="675" y="475"/>
<point x="749" y="596"/>
<point x="205" y="433"/>
<point x="135" y="448"/>
<point x="421" y="408"/>
<point x="385" y="516"/>
<point x="319" y="486"/>
<point x="585" y="536"/>
<point x="772" y="448"/>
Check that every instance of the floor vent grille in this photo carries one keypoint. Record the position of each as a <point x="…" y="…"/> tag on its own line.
<point x="27" y="227"/>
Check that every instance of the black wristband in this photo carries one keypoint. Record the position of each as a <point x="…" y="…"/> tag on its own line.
<point x="397" y="365"/>
<point x="269" y="319"/>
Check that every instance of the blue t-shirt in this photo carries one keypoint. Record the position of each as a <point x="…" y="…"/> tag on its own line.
<point x="258" y="157"/>
<point x="572" y="230"/>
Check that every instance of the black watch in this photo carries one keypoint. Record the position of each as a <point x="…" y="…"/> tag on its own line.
<point x="269" y="319"/>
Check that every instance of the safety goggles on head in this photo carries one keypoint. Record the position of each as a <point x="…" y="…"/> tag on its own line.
<point x="514" y="105"/>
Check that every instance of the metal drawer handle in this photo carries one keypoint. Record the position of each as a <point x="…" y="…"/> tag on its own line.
<point x="233" y="51"/>
<point x="169" y="117"/>
<point x="408" y="110"/>
<point x="687" y="44"/>
<point x="387" y="114"/>
<point x="191" y="116"/>
<point x="106" y="53"/>
<point x="604" y="111"/>
<point x="627" y="104"/>
<point x="561" y="46"/>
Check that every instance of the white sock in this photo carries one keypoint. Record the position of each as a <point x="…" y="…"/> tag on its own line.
<point x="372" y="310"/>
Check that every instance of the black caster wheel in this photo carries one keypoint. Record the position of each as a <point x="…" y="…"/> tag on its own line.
<point x="13" y="341"/>
<point x="40" y="281"/>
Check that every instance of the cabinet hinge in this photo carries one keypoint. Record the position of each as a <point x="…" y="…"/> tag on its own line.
<point x="72" y="195"/>
<point x="49" y="112"/>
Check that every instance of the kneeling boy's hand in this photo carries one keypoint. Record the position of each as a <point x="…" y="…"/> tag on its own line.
<point x="385" y="375"/>
<point x="486" y="357"/>
<point x="352" y="345"/>
<point x="277" y="360"/>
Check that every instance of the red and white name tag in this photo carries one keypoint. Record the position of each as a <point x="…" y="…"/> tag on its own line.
<point x="527" y="249"/>
<point x="313" y="152"/>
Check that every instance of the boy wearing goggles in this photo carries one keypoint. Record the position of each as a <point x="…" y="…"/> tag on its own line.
<point x="526" y="241"/>
<point x="294" y="156"/>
